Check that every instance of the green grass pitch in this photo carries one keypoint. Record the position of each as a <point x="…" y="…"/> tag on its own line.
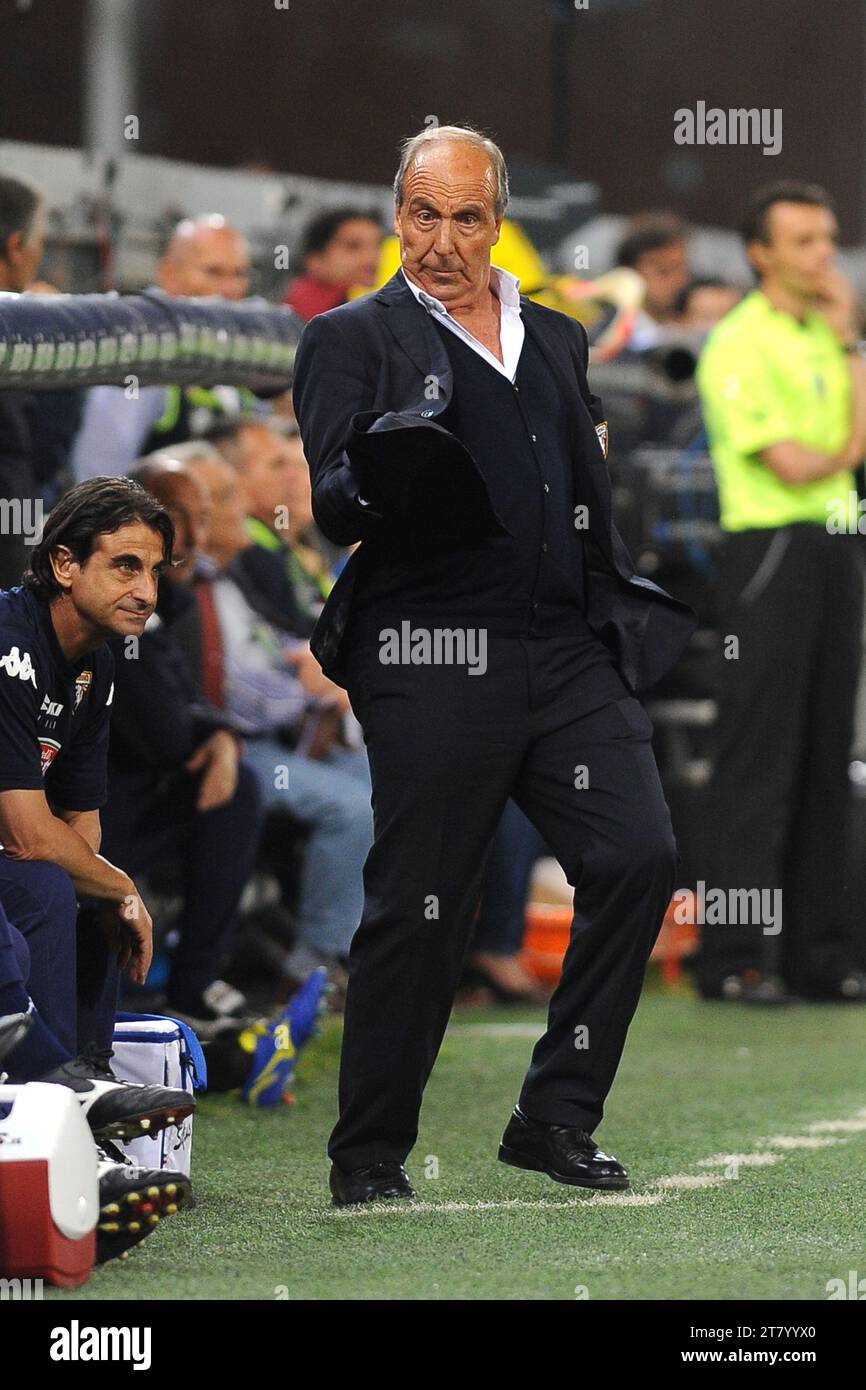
<point x="697" y="1081"/>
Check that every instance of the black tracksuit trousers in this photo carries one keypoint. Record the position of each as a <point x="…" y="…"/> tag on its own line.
<point x="793" y="599"/>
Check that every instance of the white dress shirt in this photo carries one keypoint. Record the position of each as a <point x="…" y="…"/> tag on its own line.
<point x="506" y="287"/>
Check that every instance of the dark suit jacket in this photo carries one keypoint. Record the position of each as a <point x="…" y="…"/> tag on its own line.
<point x="378" y="356"/>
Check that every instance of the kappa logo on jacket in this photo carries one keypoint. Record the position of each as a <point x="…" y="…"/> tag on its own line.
<point x="14" y="664"/>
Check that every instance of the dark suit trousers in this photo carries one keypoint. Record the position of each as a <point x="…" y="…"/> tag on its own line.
<point x="446" y="750"/>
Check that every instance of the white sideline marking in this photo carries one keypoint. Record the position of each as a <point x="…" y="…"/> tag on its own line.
<point x="686" y="1182"/>
<point x="596" y="1199"/>
<point x="801" y="1141"/>
<point x="659" y="1190"/>
<point x="757" y="1160"/>
<point x="843" y="1126"/>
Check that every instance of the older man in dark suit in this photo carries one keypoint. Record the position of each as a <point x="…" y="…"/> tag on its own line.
<point x="493" y="638"/>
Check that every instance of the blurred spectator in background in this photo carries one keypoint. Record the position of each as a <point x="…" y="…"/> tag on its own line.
<point x="339" y="250"/>
<point x="784" y="392"/>
<point x="656" y="245"/>
<point x="274" y="491"/>
<point x="704" y="302"/>
<point x="293" y="716"/>
<point x="178" y="790"/>
<point x="34" y="442"/>
<point x="205" y="257"/>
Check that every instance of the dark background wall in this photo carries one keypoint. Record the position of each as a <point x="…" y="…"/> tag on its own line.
<point x="329" y="87"/>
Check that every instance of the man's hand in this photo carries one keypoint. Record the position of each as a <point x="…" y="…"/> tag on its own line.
<point x="218" y="758"/>
<point x="313" y="679"/>
<point x="837" y="302"/>
<point x="128" y="929"/>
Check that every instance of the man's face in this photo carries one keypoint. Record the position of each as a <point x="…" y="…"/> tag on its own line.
<point x="800" y="249"/>
<point x="114" y="591"/>
<point x="227" y="533"/>
<point x="24" y="254"/>
<point x="300" y="494"/>
<point x="351" y="257"/>
<point x="211" y="261"/>
<point x="666" y="272"/>
<point x="273" y="474"/>
<point x="188" y="504"/>
<point x="447" y="223"/>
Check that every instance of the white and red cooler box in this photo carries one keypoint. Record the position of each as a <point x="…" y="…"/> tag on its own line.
<point x="49" y="1200"/>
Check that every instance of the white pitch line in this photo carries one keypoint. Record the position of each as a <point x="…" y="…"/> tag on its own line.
<point x="801" y="1141"/>
<point x="659" y="1190"/>
<point x="597" y="1199"/>
<point x="843" y="1126"/>
<point x="764" y="1159"/>
<point x="689" y="1182"/>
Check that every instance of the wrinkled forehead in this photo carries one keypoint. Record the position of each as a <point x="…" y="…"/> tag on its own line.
<point x="133" y="538"/>
<point x="451" y="174"/>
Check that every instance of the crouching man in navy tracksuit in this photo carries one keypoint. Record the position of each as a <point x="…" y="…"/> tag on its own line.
<point x="93" y="576"/>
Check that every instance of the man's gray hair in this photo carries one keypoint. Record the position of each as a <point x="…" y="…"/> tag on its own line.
<point x="410" y="148"/>
<point x="185" y="453"/>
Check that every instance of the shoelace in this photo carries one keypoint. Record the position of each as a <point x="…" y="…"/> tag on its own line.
<point x="112" y="1154"/>
<point x="579" y="1141"/>
<point x="383" y="1170"/>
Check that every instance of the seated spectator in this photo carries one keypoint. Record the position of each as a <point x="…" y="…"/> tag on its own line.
<point x="339" y="250"/>
<point x="656" y="245"/>
<point x="260" y="572"/>
<point x="293" y="716"/>
<point x="705" y="301"/>
<point x="92" y="578"/>
<point x="274" y="489"/>
<point x="177" y="784"/>
<point x="205" y="257"/>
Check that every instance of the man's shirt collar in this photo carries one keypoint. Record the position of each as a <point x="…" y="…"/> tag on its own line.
<point x="505" y="286"/>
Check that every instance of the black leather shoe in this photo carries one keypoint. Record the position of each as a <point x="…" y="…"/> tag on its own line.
<point x="564" y="1154"/>
<point x="378" y="1182"/>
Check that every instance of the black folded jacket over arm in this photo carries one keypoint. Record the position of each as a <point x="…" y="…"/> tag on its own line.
<point x="327" y="375"/>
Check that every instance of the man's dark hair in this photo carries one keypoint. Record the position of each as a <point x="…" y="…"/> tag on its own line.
<point x="650" y="231"/>
<point x="19" y="202"/>
<point x="94" y="508"/>
<point x="755" y="224"/>
<point x="320" y="232"/>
